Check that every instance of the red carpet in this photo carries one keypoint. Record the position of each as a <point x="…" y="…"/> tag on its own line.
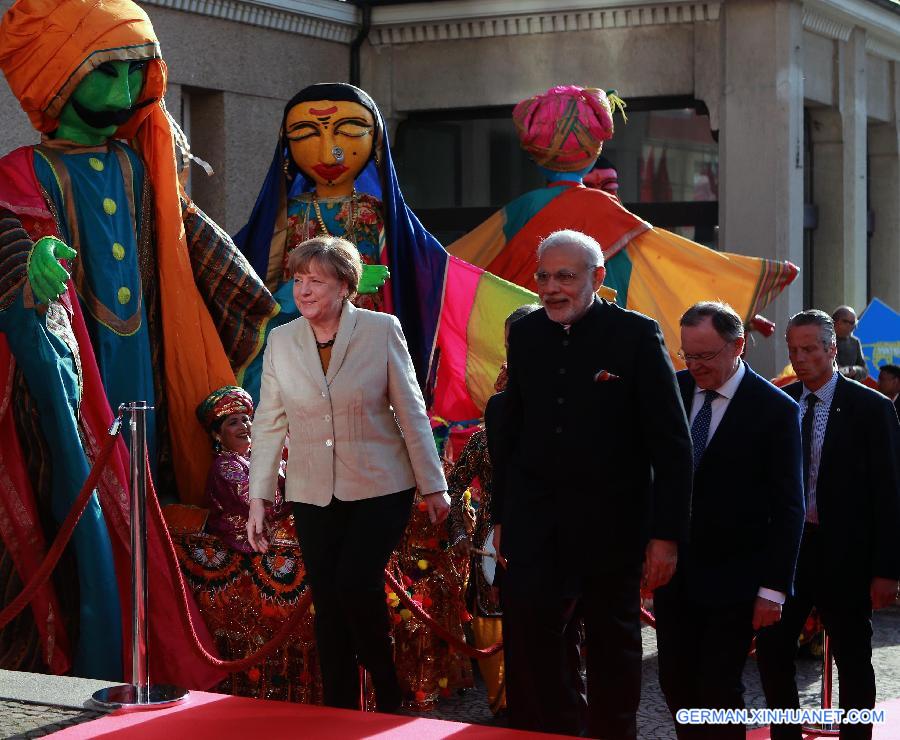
<point x="890" y="730"/>
<point x="221" y="717"/>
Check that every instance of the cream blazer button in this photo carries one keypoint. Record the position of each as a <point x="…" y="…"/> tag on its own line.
<point x="329" y="443"/>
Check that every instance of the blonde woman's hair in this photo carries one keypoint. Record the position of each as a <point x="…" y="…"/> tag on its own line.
<point x="336" y="255"/>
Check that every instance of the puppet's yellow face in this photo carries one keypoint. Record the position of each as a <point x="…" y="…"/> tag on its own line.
<point x="330" y="142"/>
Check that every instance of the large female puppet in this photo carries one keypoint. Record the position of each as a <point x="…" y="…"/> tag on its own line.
<point x="332" y="174"/>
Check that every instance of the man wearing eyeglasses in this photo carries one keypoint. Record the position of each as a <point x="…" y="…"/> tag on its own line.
<point x="737" y="568"/>
<point x="595" y="494"/>
<point x="849" y="558"/>
<point x="850" y="359"/>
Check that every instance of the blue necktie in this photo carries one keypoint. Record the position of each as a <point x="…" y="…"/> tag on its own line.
<point x="700" y="427"/>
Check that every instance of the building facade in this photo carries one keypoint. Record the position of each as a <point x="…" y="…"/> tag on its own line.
<point x="765" y="127"/>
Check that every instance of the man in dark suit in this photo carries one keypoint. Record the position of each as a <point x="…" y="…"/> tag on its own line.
<point x="849" y="559"/>
<point x="737" y="568"/>
<point x="596" y="482"/>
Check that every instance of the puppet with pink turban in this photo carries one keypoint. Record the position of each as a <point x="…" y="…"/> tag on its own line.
<point x="653" y="271"/>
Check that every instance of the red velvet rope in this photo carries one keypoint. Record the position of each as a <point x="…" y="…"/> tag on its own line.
<point x="232" y="666"/>
<point x="439" y="629"/>
<point x="62" y="537"/>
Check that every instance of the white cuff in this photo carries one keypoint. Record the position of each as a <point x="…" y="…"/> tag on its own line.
<point x="777" y="596"/>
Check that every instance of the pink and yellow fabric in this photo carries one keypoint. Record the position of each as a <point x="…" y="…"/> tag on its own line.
<point x="48" y="47"/>
<point x="470" y="337"/>
<point x="653" y="271"/>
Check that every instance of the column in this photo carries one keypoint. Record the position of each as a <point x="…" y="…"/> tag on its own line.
<point x="884" y="193"/>
<point x="236" y="135"/>
<point x="761" y="148"/>
<point x="839" y="185"/>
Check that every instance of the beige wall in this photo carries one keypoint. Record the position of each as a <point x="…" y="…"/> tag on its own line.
<point x="819" y="55"/>
<point x="503" y="70"/>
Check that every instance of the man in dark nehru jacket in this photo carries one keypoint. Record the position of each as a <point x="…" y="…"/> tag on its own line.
<point x="591" y="497"/>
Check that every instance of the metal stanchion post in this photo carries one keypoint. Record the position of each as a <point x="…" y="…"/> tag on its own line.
<point x="363" y="686"/>
<point x="140" y="693"/>
<point x="830" y="729"/>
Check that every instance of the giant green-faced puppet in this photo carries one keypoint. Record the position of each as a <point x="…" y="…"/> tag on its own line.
<point x="136" y="311"/>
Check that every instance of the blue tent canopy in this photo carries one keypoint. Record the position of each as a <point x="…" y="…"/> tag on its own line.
<point x="879" y="332"/>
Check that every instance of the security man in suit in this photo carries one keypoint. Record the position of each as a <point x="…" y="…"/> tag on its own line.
<point x="849" y="558"/>
<point x="737" y="568"/>
<point x="582" y="510"/>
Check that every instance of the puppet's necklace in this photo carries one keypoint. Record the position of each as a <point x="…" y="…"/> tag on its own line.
<point x="352" y="216"/>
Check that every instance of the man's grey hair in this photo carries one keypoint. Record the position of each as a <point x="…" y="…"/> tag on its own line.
<point x="593" y="252"/>
<point x="815" y="317"/>
<point x="725" y="319"/>
<point x="521" y="312"/>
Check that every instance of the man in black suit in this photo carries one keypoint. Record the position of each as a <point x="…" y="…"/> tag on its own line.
<point x="737" y="568"/>
<point x="596" y="482"/>
<point x="849" y="559"/>
<point x="494" y="419"/>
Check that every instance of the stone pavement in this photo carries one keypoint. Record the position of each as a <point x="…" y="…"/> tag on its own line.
<point x="34" y="705"/>
<point x="18" y="719"/>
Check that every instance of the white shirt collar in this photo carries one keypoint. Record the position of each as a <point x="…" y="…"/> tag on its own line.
<point x="730" y="386"/>
<point x="825" y="393"/>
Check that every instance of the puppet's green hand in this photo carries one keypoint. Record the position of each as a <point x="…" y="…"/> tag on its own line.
<point x="46" y="275"/>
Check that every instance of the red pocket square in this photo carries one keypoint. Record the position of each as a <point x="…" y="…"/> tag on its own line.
<point x="602" y="376"/>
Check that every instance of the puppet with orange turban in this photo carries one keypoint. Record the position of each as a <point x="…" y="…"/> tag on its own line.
<point x="113" y="288"/>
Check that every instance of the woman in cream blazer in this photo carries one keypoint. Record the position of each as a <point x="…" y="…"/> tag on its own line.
<point x="339" y="381"/>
